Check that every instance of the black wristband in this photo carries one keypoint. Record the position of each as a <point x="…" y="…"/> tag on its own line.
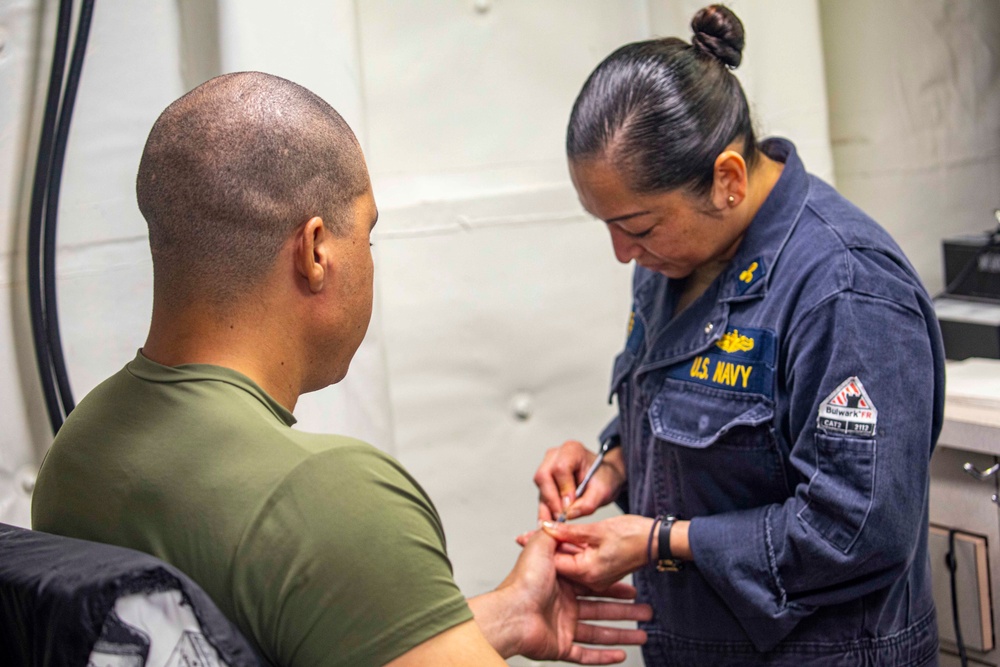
<point x="649" y="542"/>
<point x="666" y="561"/>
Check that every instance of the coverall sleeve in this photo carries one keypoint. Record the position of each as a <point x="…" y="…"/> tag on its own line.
<point x="610" y="432"/>
<point x="852" y="523"/>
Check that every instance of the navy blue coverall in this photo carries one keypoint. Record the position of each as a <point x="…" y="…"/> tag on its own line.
<point x="790" y="413"/>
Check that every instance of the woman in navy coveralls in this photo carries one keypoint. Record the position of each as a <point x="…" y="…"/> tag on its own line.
<point x="780" y="390"/>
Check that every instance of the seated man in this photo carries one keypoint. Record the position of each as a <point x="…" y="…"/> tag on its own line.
<point x="322" y="549"/>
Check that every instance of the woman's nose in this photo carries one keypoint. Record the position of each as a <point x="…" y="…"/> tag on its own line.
<point x="626" y="248"/>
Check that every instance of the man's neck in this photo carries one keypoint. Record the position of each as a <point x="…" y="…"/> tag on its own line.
<point x="240" y="341"/>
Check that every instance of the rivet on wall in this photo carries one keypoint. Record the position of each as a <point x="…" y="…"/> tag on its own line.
<point x="27" y="478"/>
<point x="521" y="406"/>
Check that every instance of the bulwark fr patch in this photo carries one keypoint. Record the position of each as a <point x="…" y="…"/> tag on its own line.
<point x="848" y="410"/>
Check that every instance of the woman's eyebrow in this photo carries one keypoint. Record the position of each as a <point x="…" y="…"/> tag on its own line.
<point x="628" y="216"/>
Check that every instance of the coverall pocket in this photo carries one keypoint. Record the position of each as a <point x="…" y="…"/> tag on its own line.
<point x="694" y="416"/>
<point x="840" y="492"/>
<point x="714" y="449"/>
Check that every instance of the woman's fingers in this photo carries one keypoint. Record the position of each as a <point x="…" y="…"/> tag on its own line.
<point x="557" y="477"/>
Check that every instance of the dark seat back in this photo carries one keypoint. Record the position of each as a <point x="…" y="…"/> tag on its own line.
<point x="58" y="595"/>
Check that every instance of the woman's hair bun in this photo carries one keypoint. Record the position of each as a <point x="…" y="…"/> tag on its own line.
<point x="719" y="33"/>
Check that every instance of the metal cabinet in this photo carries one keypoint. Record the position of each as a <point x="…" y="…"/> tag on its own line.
<point x="965" y="484"/>
<point x="961" y="502"/>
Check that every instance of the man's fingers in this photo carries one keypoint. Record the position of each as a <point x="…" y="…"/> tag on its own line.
<point x="597" y="610"/>
<point x="606" y="636"/>
<point x="602" y="636"/>
<point x="540" y="541"/>
<point x="618" y="591"/>
<point x="572" y="549"/>
<point x="563" y="532"/>
<point x="583" y="655"/>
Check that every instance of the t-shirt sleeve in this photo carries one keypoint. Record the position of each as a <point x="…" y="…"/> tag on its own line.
<point x="346" y="564"/>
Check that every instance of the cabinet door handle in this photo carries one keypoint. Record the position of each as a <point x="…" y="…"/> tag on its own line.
<point x="981" y="476"/>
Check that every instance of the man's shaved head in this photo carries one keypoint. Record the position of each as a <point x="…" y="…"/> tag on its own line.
<point x="230" y="170"/>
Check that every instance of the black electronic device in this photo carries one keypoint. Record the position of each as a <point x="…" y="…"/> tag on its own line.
<point x="969" y="328"/>
<point x="972" y="265"/>
<point x="968" y="309"/>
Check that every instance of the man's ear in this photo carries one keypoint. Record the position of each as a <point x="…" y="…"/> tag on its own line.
<point x="729" y="188"/>
<point x="310" y="253"/>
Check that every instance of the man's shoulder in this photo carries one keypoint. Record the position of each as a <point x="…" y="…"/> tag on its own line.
<point x="361" y="475"/>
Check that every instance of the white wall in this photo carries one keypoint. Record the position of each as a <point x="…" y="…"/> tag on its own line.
<point x="104" y="270"/>
<point x="499" y="304"/>
<point x="915" y="117"/>
<point x="24" y="421"/>
<point x="781" y="72"/>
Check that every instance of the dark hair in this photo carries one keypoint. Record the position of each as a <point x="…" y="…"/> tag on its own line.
<point x="230" y="170"/>
<point x="662" y="110"/>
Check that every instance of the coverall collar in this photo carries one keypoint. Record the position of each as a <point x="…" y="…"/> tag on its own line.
<point x="745" y="278"/>
<point x="748" y="273"/>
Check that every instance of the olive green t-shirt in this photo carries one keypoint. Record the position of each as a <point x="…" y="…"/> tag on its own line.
<point x="321" y="548"/>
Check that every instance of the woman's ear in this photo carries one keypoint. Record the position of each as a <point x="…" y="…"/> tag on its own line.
<point x="309" y="253"/>
<point x="729" y="187"/>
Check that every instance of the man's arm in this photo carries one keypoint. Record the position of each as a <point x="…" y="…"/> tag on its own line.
<point x="459" y="646"/>
<point x="376" y="587"/>
<point x="535" y="614"/>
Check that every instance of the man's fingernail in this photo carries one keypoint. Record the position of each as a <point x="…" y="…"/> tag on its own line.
<point x="567" y="501"/>
<point x="548" y="524"/>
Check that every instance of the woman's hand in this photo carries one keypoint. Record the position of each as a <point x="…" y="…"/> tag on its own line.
<point x="599" y="554"/>
<point x="563" y="468"/>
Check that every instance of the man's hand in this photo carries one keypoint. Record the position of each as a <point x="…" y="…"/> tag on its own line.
<point x="539" y="615"/>
<point x="561" y="471"/>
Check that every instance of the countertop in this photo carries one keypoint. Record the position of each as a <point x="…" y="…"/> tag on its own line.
<point x="972" y="406"/>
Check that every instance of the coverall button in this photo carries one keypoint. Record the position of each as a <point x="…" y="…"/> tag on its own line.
<point x="708" y="328"/>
